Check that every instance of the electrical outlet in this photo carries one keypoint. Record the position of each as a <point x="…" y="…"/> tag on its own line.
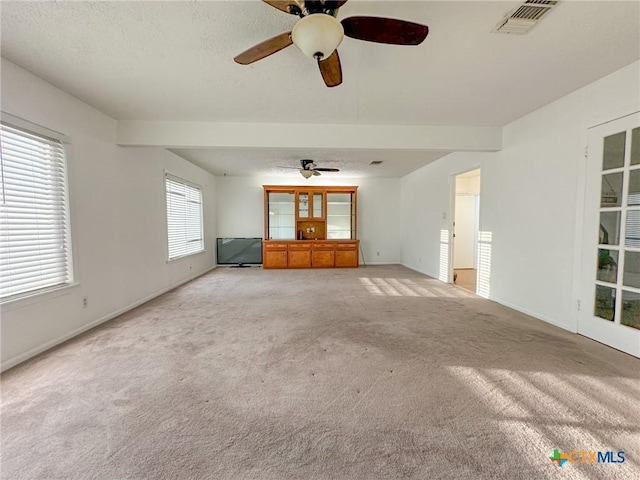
<point x="85" y="302"/>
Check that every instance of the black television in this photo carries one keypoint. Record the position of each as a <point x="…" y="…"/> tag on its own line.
<point x="239" y="251"/>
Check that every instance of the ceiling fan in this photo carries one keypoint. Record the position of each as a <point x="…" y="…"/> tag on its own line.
<point x="318" y="34"/>
<point x="308" y="168"/>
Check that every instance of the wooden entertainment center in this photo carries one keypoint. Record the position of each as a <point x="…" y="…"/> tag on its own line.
<point x="310" y="227"/>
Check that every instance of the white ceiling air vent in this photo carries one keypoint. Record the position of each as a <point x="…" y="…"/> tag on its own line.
<point x="523" y="18"/>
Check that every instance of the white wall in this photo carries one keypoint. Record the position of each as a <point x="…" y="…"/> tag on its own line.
<point x="530" y="200"/>
<point x="118" y="222"/>
<point x="241" y="210"/>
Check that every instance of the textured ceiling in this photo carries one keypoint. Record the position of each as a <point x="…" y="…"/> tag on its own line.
<point x="146" y="60"/>
<point x="271" y="162"/>
<point x="174" y="60"/>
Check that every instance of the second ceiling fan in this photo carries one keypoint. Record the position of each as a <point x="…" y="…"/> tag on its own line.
<point x="317" y="34"/>
<point x="308" y="168"/>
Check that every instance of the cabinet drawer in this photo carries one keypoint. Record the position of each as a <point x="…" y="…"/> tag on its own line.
<point x="275" y="246"/>
<point x="323" y="246"/>
<point x="347" y="246"/>
<point x="299" y="246"/>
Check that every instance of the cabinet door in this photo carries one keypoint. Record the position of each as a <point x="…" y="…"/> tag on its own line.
<point x="323" y="258"/>
<point x="300" y="258"/>
<point x="303" y="205"/>
<point x="274" y="259"/>
<point x="317" y="205"/>
<point x="280" y="216"/>
<point x="347" y="255"/>
<point x="341" y="216"/>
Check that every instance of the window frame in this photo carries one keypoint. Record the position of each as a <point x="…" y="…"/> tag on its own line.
<point x="170" y="176"/>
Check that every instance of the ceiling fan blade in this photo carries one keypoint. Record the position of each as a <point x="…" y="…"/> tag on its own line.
<point x="282" y="166"/>
<point x="326" y="169"/>
<point x="385" y="30"/>
<point x="286" y="6"/>
<point x="315" y="172"/>
<point x="331" y="70"/>
<point x="334" y="4"/>
<point x="264" y="49"/>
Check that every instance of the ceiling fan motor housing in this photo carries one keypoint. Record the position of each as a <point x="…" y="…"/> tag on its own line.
<point x="317" y="35"/>
<point x="307" y="164"/>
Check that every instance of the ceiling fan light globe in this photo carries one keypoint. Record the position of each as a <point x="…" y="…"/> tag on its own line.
<point x="317" y="35"/>
<point x="306" y="173"/>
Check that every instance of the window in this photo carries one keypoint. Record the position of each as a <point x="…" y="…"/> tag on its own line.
<point x="184" y="217"/>
<point x="35" y="253"/>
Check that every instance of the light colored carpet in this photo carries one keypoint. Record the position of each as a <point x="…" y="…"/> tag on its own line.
<point x="370" y="373"/>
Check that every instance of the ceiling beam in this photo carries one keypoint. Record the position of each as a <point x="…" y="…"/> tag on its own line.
<point x="171" y="134"/>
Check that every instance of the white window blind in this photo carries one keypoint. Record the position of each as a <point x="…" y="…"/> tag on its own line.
<point x="34" y="238"/>
<point x="184" y="217"/>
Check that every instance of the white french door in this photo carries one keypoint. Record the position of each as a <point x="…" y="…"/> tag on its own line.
<point x="610" y="280"/>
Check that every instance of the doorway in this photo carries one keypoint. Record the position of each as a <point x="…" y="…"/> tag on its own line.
<point x="466" y="225"/>
<point x="609" y="304"/>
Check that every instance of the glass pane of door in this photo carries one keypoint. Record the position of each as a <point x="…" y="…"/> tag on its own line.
<point x="633" y="198"/>
<point x="605" y="305"/>
<point x="607" y="266"/>
<point x="340" y="216"/>
<point x="632" y="234"/>
<point x="635" y="146"/>
<point x="611" y="195"/>
<point x="630" y="309"/>
<point x="613" y="155"/>
<point x="317" y="205"/>
<point x="303" y="205"/>
<point x="609" y="228"/>
<point x="281" y="216"/>
<point x="631" y="269"/>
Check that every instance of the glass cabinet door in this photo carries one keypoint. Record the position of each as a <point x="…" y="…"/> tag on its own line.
<point x="318" y="204"/>
<point x="282" y="216"/>
<point x="340" y="216"/>
<point x="303" y="204"/>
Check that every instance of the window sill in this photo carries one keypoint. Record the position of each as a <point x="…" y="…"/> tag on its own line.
<point x="171" y="260"/>
<point x="38" y="297"/>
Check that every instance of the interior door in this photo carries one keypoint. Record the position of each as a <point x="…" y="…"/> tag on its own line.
<point x="464" y="247"/>
<point x="610" y="280"/>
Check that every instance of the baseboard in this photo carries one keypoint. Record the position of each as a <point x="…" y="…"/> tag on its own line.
<point x="535" y="315"/>
<point x="367" y="264"/>
<point x="513" y="307"/>
<point x="415" y="269"/>
<point x="12" y="362"/>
